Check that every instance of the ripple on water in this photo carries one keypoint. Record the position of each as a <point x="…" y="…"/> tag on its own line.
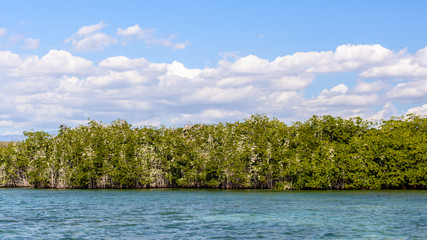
<point x="211" y="214"/>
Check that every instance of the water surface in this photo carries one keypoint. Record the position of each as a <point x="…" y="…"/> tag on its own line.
<point x="212" y="214"/>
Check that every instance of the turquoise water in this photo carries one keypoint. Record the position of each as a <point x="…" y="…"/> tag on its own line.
<point x="212" y="214"/>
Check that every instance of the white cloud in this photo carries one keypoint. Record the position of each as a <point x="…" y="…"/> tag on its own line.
<point x="167" y="42"/>
<point x="371" y="53"/>
<point x="350" y="57"/>
<point x="177" y="76"/>
<point x="387" y="111"/>
<point x="299" y="62"/>
<point x="178" y="69"/>
<point x="31" y="43"/>
<point x="136" y="32"/>
<point x="207" y="116"/>
<point x="339" y="100"/>
<point x="116" y="79"/>
<point x="54" y="62"/>
<point x="3" y="32"/>
<point x="219" y="113"/>
<point x="221" y="95"/>
<point x="5" y="133"/>
<point x="292" y="82"/>
<point x="15" y="39"/>
<point x="94" y="42"/>
<point x="421" y="110"/>
<point x="405" y="67"/>
<point x="344" y="100"/>
<point x="123" y="63"/>
<point x="6" y="123"/>
<point x="337" y="90"/>
<point x="150" y="122"/>
<point x="88" y="38"/>
<point x="281" y="100"/>
<point x="345" y="58"/>
<point x="70" y="85"/>
<point x="366" y="87"/>
<point x="88" y="30"/>
<point x="230" y="54"/>
<point x="45" y="91"/>
<point x="421" y="56"/>
<point x="181" y="45"/>
<point x="402" y="66"/>
<point x="235" y="81"/>
<point x="9" y="59"/>
<point x="134" y="105"/>
<point x="250" y="65"/>
<point x="410" y="90"/>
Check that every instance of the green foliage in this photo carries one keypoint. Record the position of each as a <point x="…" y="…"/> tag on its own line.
<point x="322" y="153"/>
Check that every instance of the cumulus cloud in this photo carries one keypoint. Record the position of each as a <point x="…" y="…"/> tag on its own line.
<point x="409" y="91"/>
<point x="9" y="59"/>
<point x="114" y="79"/>
<point x="93" y="42"/>
<point x="421" y="110"/>
<point x="89" y="38"/>
<point x="135" y="32"/>
<point x="234" y="81"/>
<point x="87" y="30"/>
<point x="297" y="71"/>
<point x="337" y="90"/>
<point x="350" y="57"/>
<point x="281" y="100"/>
<point x="177" y="76"/>
<point x="402" y="68"/>
<point x="340" y="96"/>
<point x="421" y="56"/>
<point x="221" y="95"/>
<point x="387" y="111"/>
<point x="167" y="42"/>
<point x="369" y="87"/>
<point x="59" y="87"/>
<point x="402" y="65"/>
<point x="344" y="58"/>
<point x="178" y="69"/>
<point x="54" y="62"/>
<point x="123" y="63"/>
<point x="207" y="116"/>
<point x="292" y="82"/>
<point x="250" y="65"/>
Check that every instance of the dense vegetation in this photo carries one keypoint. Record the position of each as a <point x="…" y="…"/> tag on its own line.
<point x="321" y="153"/>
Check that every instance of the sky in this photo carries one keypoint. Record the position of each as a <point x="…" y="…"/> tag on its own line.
<point x="174" y="63"/>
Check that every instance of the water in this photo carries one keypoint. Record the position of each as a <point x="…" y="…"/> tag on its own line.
<point x="212" y="214"/>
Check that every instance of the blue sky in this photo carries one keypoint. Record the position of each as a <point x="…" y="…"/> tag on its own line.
<point x="174" y="62"/>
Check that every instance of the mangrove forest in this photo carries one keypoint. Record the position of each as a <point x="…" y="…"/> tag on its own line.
<point x="259" y="152"/>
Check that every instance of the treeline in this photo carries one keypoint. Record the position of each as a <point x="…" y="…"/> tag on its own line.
<point x="321" y="153"/>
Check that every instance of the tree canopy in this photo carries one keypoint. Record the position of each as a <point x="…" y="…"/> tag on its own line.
<point x="321" y="153"/>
